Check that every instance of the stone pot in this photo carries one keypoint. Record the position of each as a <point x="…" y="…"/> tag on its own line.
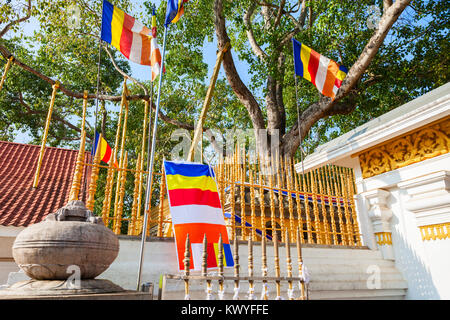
<point x="71" y="241"/>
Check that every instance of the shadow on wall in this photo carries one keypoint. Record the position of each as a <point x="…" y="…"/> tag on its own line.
<point x="408" y="262"/>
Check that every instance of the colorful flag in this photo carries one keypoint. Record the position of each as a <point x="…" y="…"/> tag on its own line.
<point x="126" y="34"/>
<point x="196" y="210"/>
<point x="105" y="150"/>
<point x="324" y="73"/>
<point x="155" y="60"/>
<point x="174" y="11"/>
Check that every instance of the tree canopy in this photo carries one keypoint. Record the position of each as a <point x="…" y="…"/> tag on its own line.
<point x="391" y="61"/>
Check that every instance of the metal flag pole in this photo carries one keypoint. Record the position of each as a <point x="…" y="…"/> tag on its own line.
<point x="152" y="159"/>
<point x="299" y="125"/>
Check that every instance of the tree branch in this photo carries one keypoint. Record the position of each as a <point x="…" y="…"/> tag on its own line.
<point x="9" y="25"/>
<point x="238" y="87"/>
<point x="251" y="38"/>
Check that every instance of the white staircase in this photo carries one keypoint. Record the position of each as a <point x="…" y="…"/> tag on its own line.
<point x="337" y="273"/>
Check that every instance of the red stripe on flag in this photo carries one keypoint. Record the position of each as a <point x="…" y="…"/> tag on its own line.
<point x="211" y="260"/>
<point x="183" y="197"/>
<point x="196" y="233"/>
<point x="107" y="155"/>
<point x="126" y="40"/>
<point x="338" y="83"/>
<point x="313" y="65"/>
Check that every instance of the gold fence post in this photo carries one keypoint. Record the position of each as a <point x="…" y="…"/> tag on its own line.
<point x="264" y="270"/>
<point x="108" y="189"/>
<point x="242" y="194"/>
<point x="277" y="266"/>
<point x="251" y="289"/>
<point x="298" y="202"/>
<point x="162" y="193"/>
<point x="205" y="268"/>
<point x="252" y="205"/>
<point x="348" y="223"/>
<point x="134" y="207"/>
<point x="289" y="266"/>
<point x="330" y="203"/>
<point x="121" y="193"/>
<point x="220" y="257"/>
<point x="315" y="195"/>
<point x="338" y="200"/>
<point x="280" y="198"/>
<point x="300" y="266"/>
<point x="121" y="161"/>
<point x="187" y="266"/>
<point x="44" y="137"/>
<point x="78" y="173"/>
<point x="8" y="65"/>
<point x="351" y="184"/>
<point x="236" y="267"/>
<point x="94" y="178"/>
<point x="326" y="228"/>
<point x="307" y="211"/>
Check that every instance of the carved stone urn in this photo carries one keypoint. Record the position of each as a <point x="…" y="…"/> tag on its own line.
<point x="68" y="240"/>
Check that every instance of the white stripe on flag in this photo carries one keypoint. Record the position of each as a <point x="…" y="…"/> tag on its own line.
<point x="197" y="252"/>
<point x="196" y="214"/>
<point x="321" y="74"/>
<point x="136" y="48"/>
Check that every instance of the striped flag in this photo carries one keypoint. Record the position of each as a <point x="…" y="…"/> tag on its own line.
<point x="105" y="150"/>
<point x="174" y="11"/>
<point x="126" y="34"/>
<point x="323" y="72"/>
<point x="155" y="54"/>
<point x="196" y="210"/>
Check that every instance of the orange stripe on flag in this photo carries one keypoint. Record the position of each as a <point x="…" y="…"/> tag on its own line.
<point x="333" y="69"/>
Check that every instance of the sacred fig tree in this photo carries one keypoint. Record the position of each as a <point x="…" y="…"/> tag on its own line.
<point x="262" y="31"/>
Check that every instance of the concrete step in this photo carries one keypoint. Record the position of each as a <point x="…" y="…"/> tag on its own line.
<point x="380" y="294"/>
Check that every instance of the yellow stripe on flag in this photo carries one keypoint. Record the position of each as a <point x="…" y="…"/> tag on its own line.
<point x="305" y="54"/>
<point x="117" y="27"/>
<point x="103" y="146"/>
<point x="182" y="182"/>
<point x="216" y="251"/>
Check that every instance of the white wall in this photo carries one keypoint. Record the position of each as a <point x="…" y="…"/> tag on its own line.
<point x="424" y="264"/>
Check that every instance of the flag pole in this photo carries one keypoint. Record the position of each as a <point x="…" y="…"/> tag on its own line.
<point x="150" y="165"/>
<point x="299" y="125"/>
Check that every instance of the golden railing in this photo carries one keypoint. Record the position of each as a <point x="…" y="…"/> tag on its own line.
<point x="320" y="203"/>
<point x="259" y="197"/>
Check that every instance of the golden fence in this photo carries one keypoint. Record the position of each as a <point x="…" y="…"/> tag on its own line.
<point x="258" y="197"/>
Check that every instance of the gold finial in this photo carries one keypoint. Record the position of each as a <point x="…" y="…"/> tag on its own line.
<point x="94" y="177"/>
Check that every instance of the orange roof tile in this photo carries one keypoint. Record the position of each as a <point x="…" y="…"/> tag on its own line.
<point x="21" y="204"/>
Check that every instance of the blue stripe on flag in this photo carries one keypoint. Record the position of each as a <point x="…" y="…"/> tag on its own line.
<point x="108" y="10"/>
<point x="188" y="169"/>
<point x="228" y="256"/>
<point x="298" y="64"/>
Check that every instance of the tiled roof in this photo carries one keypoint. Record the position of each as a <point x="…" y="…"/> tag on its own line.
<point x="21" y="204"/>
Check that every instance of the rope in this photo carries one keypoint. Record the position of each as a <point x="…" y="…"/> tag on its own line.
<point x="187" y="297"/>
<point x="221" y="294"/>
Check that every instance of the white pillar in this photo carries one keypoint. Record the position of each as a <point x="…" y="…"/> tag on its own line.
<point x="380" y="216"/>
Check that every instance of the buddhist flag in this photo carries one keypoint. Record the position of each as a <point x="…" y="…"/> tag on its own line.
<point x="196" y="210"/>
<point x="126" y="34"/>
<point x="155" y="60"/>
<point x="105" y="150"/>
<point x="174" y="11"/>
<point x="323" y="72"/>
